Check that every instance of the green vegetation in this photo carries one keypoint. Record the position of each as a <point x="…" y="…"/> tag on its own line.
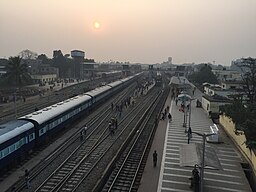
<point x="204" y="75"/>
<point x="17" y="73"/>
<point x="243" y="112"/>
<point x="244" y="119"/>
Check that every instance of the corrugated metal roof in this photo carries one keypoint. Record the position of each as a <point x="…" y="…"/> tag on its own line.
<point x="191" y="154"/>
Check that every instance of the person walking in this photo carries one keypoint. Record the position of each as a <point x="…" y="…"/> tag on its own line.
<point x="155" y="158"/>
<point x="82" y="135"/>
<point x="85" y="129"/>
<point x="170" y="117"/>
<point x="176" y="101"/>
<point x="27" y="179"/>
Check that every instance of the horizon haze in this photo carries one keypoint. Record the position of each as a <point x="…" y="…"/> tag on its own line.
<point x="143" y="31"/>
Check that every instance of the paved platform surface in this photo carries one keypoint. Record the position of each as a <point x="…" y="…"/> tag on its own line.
<point x="170" y="176"/>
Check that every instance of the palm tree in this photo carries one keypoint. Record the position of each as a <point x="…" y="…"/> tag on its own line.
<point x="17" y="72"/>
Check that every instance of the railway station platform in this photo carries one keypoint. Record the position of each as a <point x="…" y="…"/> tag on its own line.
<point x="169" y="175"/>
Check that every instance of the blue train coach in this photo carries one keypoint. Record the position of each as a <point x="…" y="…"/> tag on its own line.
<point x="17" y="138"/>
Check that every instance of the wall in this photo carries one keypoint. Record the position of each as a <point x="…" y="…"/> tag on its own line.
<point x="213" y="106"/>
<point x="239" y="140"/>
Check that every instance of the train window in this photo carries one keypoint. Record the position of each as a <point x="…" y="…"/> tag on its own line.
<point x="12" y="148"/>
<point x="41" y="131"/>
<point x="55" y="123"/>
<point x="31" y="137"/>
<point x="17" y="145"/>
<point x="22" y="141"/>
<point x="5" y="151"/>
<point x="51" y="126"/>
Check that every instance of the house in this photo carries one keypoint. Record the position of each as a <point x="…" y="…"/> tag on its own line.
<point x="212" y="103"/>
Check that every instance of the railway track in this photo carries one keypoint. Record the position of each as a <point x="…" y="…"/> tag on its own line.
<point x="73" y="143"/>
<point x="129" y="168"/>
<point x="78" y="166"/>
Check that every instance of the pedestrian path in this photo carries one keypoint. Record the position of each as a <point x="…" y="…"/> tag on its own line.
<point x="169" y="175"/>
<point x="173" y="177"/>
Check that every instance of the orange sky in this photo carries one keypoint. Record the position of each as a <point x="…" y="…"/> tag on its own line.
<point x="145" y="31"/>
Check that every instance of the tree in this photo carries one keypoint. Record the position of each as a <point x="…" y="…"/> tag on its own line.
<point x="44" y="59"/>
<point x="27" y="54"/>
<point x="17" y="72"/>
<point x="64" y="64"/>
<point x="248" y="67"/>
<point x="243" y="113"/>
<point x="205" y="74"/>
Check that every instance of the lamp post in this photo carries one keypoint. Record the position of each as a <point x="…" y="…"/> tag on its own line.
<point x="15" y="104"/>
<point x="190" y="109"/>
<point x="184" y="108"/>
<point x="204" y="135"/>
<point x="184" y="97"/>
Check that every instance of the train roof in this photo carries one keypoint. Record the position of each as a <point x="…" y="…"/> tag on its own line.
<point x="13" y="128"/>
<point x="112" y="72"/>
<point x="127" y="78"/>
<point x="116" y="83"/>
<point x="98" y="90"/>
<point x="52" y="111"/>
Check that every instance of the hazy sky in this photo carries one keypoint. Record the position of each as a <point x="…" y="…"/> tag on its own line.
<point x="145" y="31"/>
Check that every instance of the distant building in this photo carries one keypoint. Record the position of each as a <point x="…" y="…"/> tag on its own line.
<point x="136" y="68"/>
<point x="3" y="64"/>
<point x="43" y="73"/>
<point x="126" y="70"/>
<point x="170" y="60"/>
<point x="212" y="103"/>
<point x="88" y="70"/>
<point x="224" y="75"/>
<point x="78" y="57"/>
<point x="238" y="64"/>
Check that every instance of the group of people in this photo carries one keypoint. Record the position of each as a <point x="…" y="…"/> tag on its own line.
<point x="118" y="108"/>
<point x="164" y="114"/>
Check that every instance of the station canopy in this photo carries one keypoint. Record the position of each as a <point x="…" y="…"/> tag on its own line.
<point x="184" y="96"/>
<point x="191" y="154"/>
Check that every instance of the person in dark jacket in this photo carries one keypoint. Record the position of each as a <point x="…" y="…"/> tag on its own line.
<point x="155" y="158"/>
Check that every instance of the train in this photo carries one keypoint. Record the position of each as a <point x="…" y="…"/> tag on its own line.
<point x="158" y="79"/>
<point x="20" y="137"/>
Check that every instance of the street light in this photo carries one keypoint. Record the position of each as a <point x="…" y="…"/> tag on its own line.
<point x="204" y="135"/>
<point x="189" y="120"/>
<point x="184" y="97"/>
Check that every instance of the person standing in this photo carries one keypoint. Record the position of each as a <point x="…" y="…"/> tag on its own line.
<point x="27" y="179"/>
<point x="82" y="135"/>
<point x="155" y="158"/>
<point x="170" y="117"/>
<point x="189" y="134"/>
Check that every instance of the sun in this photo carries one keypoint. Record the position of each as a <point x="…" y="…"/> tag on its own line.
<point x="96" y="25"/>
